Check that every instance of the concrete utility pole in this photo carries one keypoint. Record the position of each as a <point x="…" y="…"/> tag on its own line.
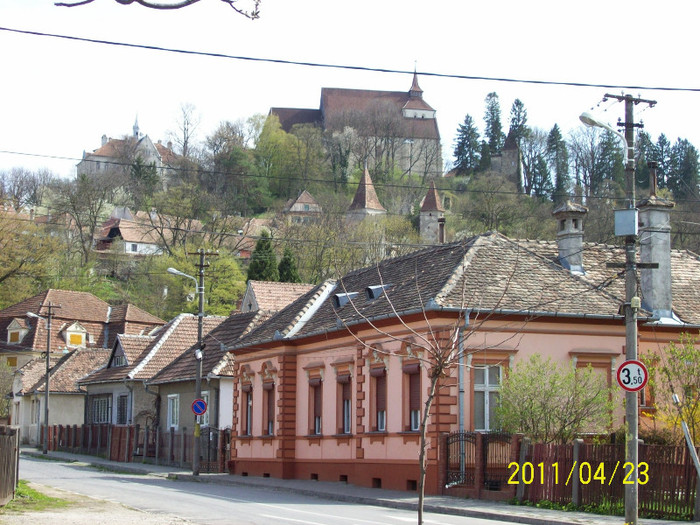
<point x="632" y="304"/>
<point x="199" y="352"/>
<point x="199" y="356"/>
<point x="49" y="315"/>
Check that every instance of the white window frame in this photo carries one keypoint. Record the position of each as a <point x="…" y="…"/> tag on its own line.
<point x="487" y="388"/>
<point x="173" y="411"/>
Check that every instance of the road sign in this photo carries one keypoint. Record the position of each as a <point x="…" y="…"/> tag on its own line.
<point x="199" y="407"/>
<point x="632" y="375"/>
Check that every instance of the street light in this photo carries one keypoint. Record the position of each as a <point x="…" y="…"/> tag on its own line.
<point x="198" y="355"/>
<point x="45" y="449"/>
<point x="592" y="122"/>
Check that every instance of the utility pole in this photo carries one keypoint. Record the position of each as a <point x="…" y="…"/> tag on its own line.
<point x="632" y="304"/>
<point x="50" y="306"/>
<point x="199" y="355"/>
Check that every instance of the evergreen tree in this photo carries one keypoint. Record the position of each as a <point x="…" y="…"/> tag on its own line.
<point x="467" y="147"/>
<point x="518" y="121"/>
<point x="494" y="130"/>
<point x="643" y="153"/>
<point x="683" y="179"/>
<point x="541" y="181"/>
<point x="484" y="157"/>
<point x="288" y="271"/>
<point x="558" y="159"/>
<point x="263" y="261"/>
<point x="662" y="155"/>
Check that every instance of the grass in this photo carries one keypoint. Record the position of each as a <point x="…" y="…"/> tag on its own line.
<point x="28" y="499"/>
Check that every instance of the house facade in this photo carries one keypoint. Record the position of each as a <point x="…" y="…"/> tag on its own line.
<point x="118" y="393"/>
<point x="333" y="387"/>
<point x="79" y="320"/>
<point x="117" y="155"/>
<point x="66" y="398"/>
<point x="176" y="383"/>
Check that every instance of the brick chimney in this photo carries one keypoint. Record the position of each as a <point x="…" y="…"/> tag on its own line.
<point x="655" y="247"/>
<point x="570" y="217"/>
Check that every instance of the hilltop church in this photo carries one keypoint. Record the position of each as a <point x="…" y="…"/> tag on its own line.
<point x="391" y="130"/>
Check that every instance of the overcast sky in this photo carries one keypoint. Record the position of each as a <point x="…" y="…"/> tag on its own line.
<point x="58" y="97"/>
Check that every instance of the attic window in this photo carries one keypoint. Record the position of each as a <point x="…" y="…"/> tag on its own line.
<point x="13" y="337"/>
<point x="374" y="292"/>
<point x="341" y="299"/>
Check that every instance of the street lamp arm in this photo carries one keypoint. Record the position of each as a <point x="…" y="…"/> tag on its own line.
<point x="592" y="122"/>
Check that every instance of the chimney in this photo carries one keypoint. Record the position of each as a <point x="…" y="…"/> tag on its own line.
<point x="104" y="139"/>
<point x="570" y="217"/>
<point x="655" y="247"/>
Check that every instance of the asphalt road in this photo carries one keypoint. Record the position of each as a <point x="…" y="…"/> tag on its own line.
<point x="205" y="503"/>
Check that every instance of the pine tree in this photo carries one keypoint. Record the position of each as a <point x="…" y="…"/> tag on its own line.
<point x="288" y="272"/>
<point x="467" y="147"/>
<point x="494" y="130"/>
<point x="518" y="121"/>
<point x="263" y="261"/>
<point x="558" y="159"/>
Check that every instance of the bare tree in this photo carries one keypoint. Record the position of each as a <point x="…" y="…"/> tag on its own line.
<point x="85" y="201"/>
<point x="253" y="13"/>
<point x="23" y="187"/>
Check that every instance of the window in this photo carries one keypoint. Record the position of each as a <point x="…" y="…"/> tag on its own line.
<point x="119" y="360"/>
<point x="101" y="409"/>
<point x="378" y="385"/>
<point x="204" y="419"/>
<point x="247" y="409"/>
<point x="269" y="408"/>
<point x="316" y="400"/>
<point x="12" y="361"/>
<point x="134" y="248"/>
<point x="412" y="397"/>
<point x="173" y="411"/>
<point x="14" y="337"/>
<point x="487" y="384"/>
<point x="122" y="409"/>
<point x="344" y="404"/>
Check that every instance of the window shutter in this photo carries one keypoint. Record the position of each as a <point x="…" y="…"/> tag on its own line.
<point x="347" y="393"/>
<point x="414" y="392"/>
<point x="317" y="400"/>
<point x="381" y="392"/>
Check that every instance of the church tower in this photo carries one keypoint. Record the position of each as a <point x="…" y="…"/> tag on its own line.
<point x="366" y="203"/>
<point x="432" y="217"/>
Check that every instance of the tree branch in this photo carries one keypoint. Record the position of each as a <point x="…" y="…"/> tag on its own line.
<point x="253" y="15"/>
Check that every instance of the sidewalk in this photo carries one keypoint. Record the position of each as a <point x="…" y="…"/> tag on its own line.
<point x="349" y="493"/>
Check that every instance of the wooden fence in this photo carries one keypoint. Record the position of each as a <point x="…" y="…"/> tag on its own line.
<point x="126" y="443"/>
<point x="595" y="475"/>
<point x="9" y="463"/>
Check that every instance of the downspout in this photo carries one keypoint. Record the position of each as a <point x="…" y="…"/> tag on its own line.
<point x="460" y="371"/>
<point x="131" y="401"/>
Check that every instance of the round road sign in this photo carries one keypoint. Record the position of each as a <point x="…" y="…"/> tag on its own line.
<point x="632" y="375"/>
<point x="199" y="407"/>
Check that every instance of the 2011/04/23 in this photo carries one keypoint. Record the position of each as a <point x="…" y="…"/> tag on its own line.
<point x="586" y="473"/>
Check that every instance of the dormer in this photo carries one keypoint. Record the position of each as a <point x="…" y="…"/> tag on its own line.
<point x="75" y="335"/>
<point x="16" y="330"/>
<point x="119" y="358"/>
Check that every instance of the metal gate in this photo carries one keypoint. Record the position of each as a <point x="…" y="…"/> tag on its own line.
<point x="461" y="459"/>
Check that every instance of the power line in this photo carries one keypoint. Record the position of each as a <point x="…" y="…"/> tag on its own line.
<point x="345" y="66"/>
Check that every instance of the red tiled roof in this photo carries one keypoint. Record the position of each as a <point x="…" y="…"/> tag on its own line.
<point x="166" y="345"/>
<point x="366" y="196"/>
<point x="133" y="314"/>
<point x="432" y="200"/>
<point x="72" y="367"/>
<point x="273" y="296"/>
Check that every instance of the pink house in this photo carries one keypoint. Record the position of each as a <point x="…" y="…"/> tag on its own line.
<point x="333" y="386"/>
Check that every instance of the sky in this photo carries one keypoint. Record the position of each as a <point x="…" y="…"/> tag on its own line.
<point x="58" y="97"/>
